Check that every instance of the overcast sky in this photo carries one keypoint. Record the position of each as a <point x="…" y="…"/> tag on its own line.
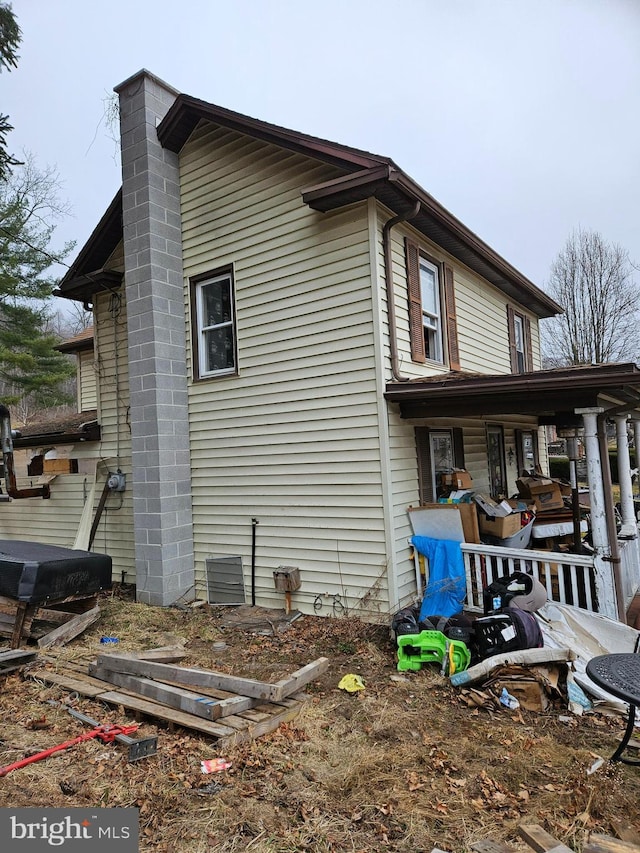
<point x="522" y="117"/>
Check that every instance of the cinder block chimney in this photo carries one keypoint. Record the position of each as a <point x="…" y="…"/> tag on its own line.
<point x="161" y="470"/>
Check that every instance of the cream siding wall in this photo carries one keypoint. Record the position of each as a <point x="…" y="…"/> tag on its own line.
<point x="293" y="440"/>
<point x="484" y="347"/>
<point x="481" y="312"/>
<point x="87" y="391"/>
<point x="57" y="519"/>
<point x="114" y="535"/>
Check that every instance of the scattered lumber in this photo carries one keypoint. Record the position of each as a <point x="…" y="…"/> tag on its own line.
<point x="21" y="621"/>
<point x="210" y="678"/>
<point x="540" y="841"/>
<point x="13" y="659"/>
<point x="227" y="715"/>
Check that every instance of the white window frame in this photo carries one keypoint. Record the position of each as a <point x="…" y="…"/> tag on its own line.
<point x="431" y="322"/>
<point x="519" y="344"/>
<point x="202" y="331"/>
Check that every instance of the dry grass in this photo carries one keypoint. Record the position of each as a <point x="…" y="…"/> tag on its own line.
<point x="403" y="766"/>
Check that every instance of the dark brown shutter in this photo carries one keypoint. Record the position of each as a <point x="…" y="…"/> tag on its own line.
<point x="452" y="323"/>
<point x="512" y="339"/>
<point x="416" y="330"/>
<point x="458" y="447"/>
<point x="425" y="473"/>
<point x="528" y="348"/>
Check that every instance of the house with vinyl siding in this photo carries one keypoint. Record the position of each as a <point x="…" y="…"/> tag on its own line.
<point x="262" y="300"/>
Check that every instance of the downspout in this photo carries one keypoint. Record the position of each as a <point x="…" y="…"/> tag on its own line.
<point x="612" y="533"/>
<point x="388" y="274"/>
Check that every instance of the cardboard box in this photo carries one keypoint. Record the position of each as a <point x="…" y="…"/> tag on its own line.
<point x="543" y="492"/>
<point x="500" y="527"/>
<point x="457" y="478"/>
<point x="60" y="466"/>
<point x="491" y="507"/>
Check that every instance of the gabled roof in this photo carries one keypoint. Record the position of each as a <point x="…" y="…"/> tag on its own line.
<point x="365" y="175"/>
<point x="87" y="274"/>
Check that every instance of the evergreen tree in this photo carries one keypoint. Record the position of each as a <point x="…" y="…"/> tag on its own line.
<point x="10" y="37"/>
<point x="29" y="365"/>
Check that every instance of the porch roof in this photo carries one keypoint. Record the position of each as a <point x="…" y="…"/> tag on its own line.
<point x="552" y="395"/>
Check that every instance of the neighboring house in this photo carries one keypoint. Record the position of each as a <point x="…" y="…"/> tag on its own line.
<point x="293" y="338"/>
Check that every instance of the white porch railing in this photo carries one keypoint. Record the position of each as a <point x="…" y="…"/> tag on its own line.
<point x="629" y="569"/>
<point x="568" y="578"/>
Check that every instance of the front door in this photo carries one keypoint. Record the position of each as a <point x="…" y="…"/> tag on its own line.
<point x="497" y="466"/>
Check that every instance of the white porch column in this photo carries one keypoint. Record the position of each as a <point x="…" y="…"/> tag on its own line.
<point x="636" y="444"/>
<point x="594" y="476"/>
<point x="628" y="529"/>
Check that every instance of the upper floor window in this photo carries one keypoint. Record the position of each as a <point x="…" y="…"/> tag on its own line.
<point x="519" y="341"/>
<point x="432" y="309"/>
<point x="214" y="327"/>
<point x="431" y="319"/>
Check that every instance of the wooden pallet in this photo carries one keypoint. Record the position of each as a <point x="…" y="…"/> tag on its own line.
<point x="12" y="659"/>
<point x="51" y="623"/>
<point x="540" y="841"/>
<point x="240" y="718"/>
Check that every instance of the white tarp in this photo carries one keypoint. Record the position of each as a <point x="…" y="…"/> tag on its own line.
<point x="587" y="635"/>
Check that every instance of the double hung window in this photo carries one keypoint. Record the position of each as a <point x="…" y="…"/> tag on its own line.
<point x="432" y="308"/>
<point x="519" y="341"/>
<point x="214" y="325"/>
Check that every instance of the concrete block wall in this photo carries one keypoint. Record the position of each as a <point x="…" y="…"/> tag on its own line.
<point x="156" y="346"/>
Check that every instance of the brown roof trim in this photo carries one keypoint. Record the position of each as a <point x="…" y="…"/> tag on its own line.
<point x="538" y="392"/>
<point x="81" y="426"/>
<point x="399" y="192"/>
<point x="185" y="113"/>
<point x="77" y="283"/>
<point x="86" y="285"/>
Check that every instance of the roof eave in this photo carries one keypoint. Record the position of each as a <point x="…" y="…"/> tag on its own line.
<point x="399" y="193"/>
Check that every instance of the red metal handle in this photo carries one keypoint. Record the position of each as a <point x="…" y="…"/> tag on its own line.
<point x="107" y="734"/>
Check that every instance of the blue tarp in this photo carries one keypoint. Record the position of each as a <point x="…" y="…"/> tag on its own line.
<point x="446" y="588"/>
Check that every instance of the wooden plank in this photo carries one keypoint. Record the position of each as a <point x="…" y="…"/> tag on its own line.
<point x="301" y="677"/>
<point x="210" y="678"/>
<point x="169" y="715"/>
<point x="85" y="686"/>
<point x="625" y="831"/>
<point x="606" y="844"/>
<point x="74" y="626"/>
<point x="540" y="840"/>
<point x="17" y="654"/>
<point x="487" y="845"/>
<point x="175" y="697"/>
<point x="162" y="654"/>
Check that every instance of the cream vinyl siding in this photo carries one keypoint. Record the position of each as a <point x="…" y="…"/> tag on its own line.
<point x="292" y="441"/>
<point x="481" y="312"/>
<point x="405" y="474"/>
<point x="87" y="391"/>
<point x="114" y="535"/>
<point x="57" y="519"/>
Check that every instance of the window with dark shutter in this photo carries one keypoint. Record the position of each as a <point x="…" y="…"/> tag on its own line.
<point x="432" y="308"/>
<point x="416" y="331"/>
<point x="437" y="450"/>
<point x="520" y="348"/>
<point x="452" y="323"/>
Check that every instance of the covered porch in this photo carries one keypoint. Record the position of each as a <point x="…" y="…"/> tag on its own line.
<point x="592" y="401"/>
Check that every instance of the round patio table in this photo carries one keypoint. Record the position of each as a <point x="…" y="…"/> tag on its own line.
<point x="619" y="675"/>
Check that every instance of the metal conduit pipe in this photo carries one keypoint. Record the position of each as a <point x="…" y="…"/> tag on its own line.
<point x="610" y="519"/>
<point x="388" y="274"/>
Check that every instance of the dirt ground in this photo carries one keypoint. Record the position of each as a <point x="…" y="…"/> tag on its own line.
<point x="404" y="765"/>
